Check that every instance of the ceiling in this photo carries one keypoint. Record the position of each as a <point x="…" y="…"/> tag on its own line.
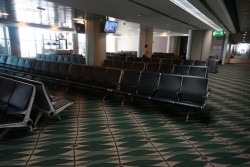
<point x="230" y="15"/>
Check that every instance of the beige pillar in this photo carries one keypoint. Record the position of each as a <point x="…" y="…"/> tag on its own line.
<point x="95" y="40"/>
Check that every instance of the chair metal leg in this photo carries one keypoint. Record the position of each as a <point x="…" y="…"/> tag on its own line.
<point x="37" y="119"/>
<point x="4" y="132"/>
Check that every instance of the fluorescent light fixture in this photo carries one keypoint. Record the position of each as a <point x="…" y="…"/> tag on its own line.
<point x="185" y="5"/>
<point x="4" y="14"/>
<point x="77" y="19"/>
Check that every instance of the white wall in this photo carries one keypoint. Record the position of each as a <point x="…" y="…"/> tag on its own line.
<point x="127" y="43"/>
<point x="111" y="44"/>
<point x="160" y="44"/>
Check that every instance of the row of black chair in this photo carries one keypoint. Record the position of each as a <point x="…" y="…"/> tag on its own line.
<point x="46" y="104"/>
<point x="163" y="61"/>
<point x="155" y="67"/>
<point x="62" y="58"/>
<point x="130" y="82"/>
<point x="162" y="55"/>
<point x="16" y="101"/>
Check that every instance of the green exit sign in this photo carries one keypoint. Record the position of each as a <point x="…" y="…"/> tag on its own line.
<point x="218" y="33"/>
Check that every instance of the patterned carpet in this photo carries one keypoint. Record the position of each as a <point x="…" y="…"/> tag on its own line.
<point x="100" y="133"/>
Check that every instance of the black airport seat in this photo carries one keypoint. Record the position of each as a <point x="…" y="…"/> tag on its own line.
<point x="128" y="64"/>
<point x="36" y="68"/>
<point x="53" y="69"/>
<point x="63" y="71"/>
<point x="27" y="65"/>
<point x="153" y="67"/>
<point x="200" y="63"/>
<point x="187" y="62"/>
<point x="48" y="57"/>
<point x="129" y="81"/>
<point x="6" y="88"/>
<point x="73" y="59"/>
<point x="166" y="61"/>
<point x="198" y="71"/>
<point x="117" y="64"/>
<point x="155" y="60"/>
<point x="98" y="76"/>
<point x="14" y="62"/>
<point x="109" y="57"/>
<point x="81" y="60"/>
<point x="108" y="63"/>
<point x="45" y="67"/>
<point x="194" y="91"/>
<point x="17" y="112"/>
<point x="74" y="72"/>
<point x="181" y="70"/>
<point x="20" y="64"/>
<point x="148" y="85"/>
<point x="86" y="74"/>
<point x="176" y="62"/>
<point x="169" y="88"/>
<point x="139" y="66"/>
<point x="66" y="59"/>
<point x="138" y="59"/>
<point x="8" y="62"/>
<point x="54" y="57"/>
<point x="112" y="78"/>
<point x="3" y="59"/>
<point x="46" y="104"/>
<point x="166" y="68"/>
<point x="130" y="58"/>
<point x="60" y="58"/>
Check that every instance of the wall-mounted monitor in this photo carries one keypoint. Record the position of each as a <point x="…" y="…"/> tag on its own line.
<point x="80" y="28"/>
<point x="110" y="26"/>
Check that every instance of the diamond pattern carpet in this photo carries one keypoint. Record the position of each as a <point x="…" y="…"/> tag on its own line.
<point x="100" y="133"/>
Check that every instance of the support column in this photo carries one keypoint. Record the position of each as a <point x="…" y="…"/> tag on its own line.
<point x="95" y="40"/>
<point x="14" y="41"/>
<point x="75" y="44"/>
<point x="168" y="44"/>
<point x="145" y="38"/>
<point x="225" y="49"/>
<point x="189" y="44"/>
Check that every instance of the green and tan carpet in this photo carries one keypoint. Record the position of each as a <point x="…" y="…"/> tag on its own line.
<point x="100" y="133"/>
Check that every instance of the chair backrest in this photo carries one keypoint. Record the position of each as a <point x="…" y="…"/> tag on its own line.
<point x="21" y="96"/>
<point x="54" y="68"/>
<point x="27" y="65"/>
<point x="112" y="78"/>
<point x="99" y="75"/>
<point x="87" y="73"/>
<point x="3" y="59"/>
<point x="148" y="83"/>
<point x="181" y="70"/>
<point x="169" y="86"/>
<point x="117" y="64"/>
<point x="140" y="66"/>
<point x="37" y="65"/>
<point x="54" y="57"/>
<point x="166" y="61"/>
<point x="128" y="65"/>
<point x="188" y="62"/>
<point x="198" y="71"/>
<point x="200" y="63"/>
<point x="60" y="58"/>
<point x="153" y="67"/>
<point x="166" y="68"/>
<point x="130" y="80"/>
<point x="74" y="72"/>
<point x="107" y="63"/>
<point x="194" y="89"/>
<point x="6" y="88"/>
<point x="63" y="70"/>
<point x="155" y="60"/>
<point x="45" y="67"/>
<point x="130" y="58"/>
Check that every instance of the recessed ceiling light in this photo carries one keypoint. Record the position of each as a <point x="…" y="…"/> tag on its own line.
<point x="244" y="37"/>
<point x="138" y="15"/>
<point x="167" y="24"/>
<point x="129" y="28"/>
<point x="155" y="32"/>
<point x="244" y="34"/>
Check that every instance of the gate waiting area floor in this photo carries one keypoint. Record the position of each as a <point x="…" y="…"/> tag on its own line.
<point x="100" y="133"/>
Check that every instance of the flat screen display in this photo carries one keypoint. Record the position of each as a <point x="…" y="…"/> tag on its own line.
<point x="110" y="26"/>
<point x="80" y="28"/>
